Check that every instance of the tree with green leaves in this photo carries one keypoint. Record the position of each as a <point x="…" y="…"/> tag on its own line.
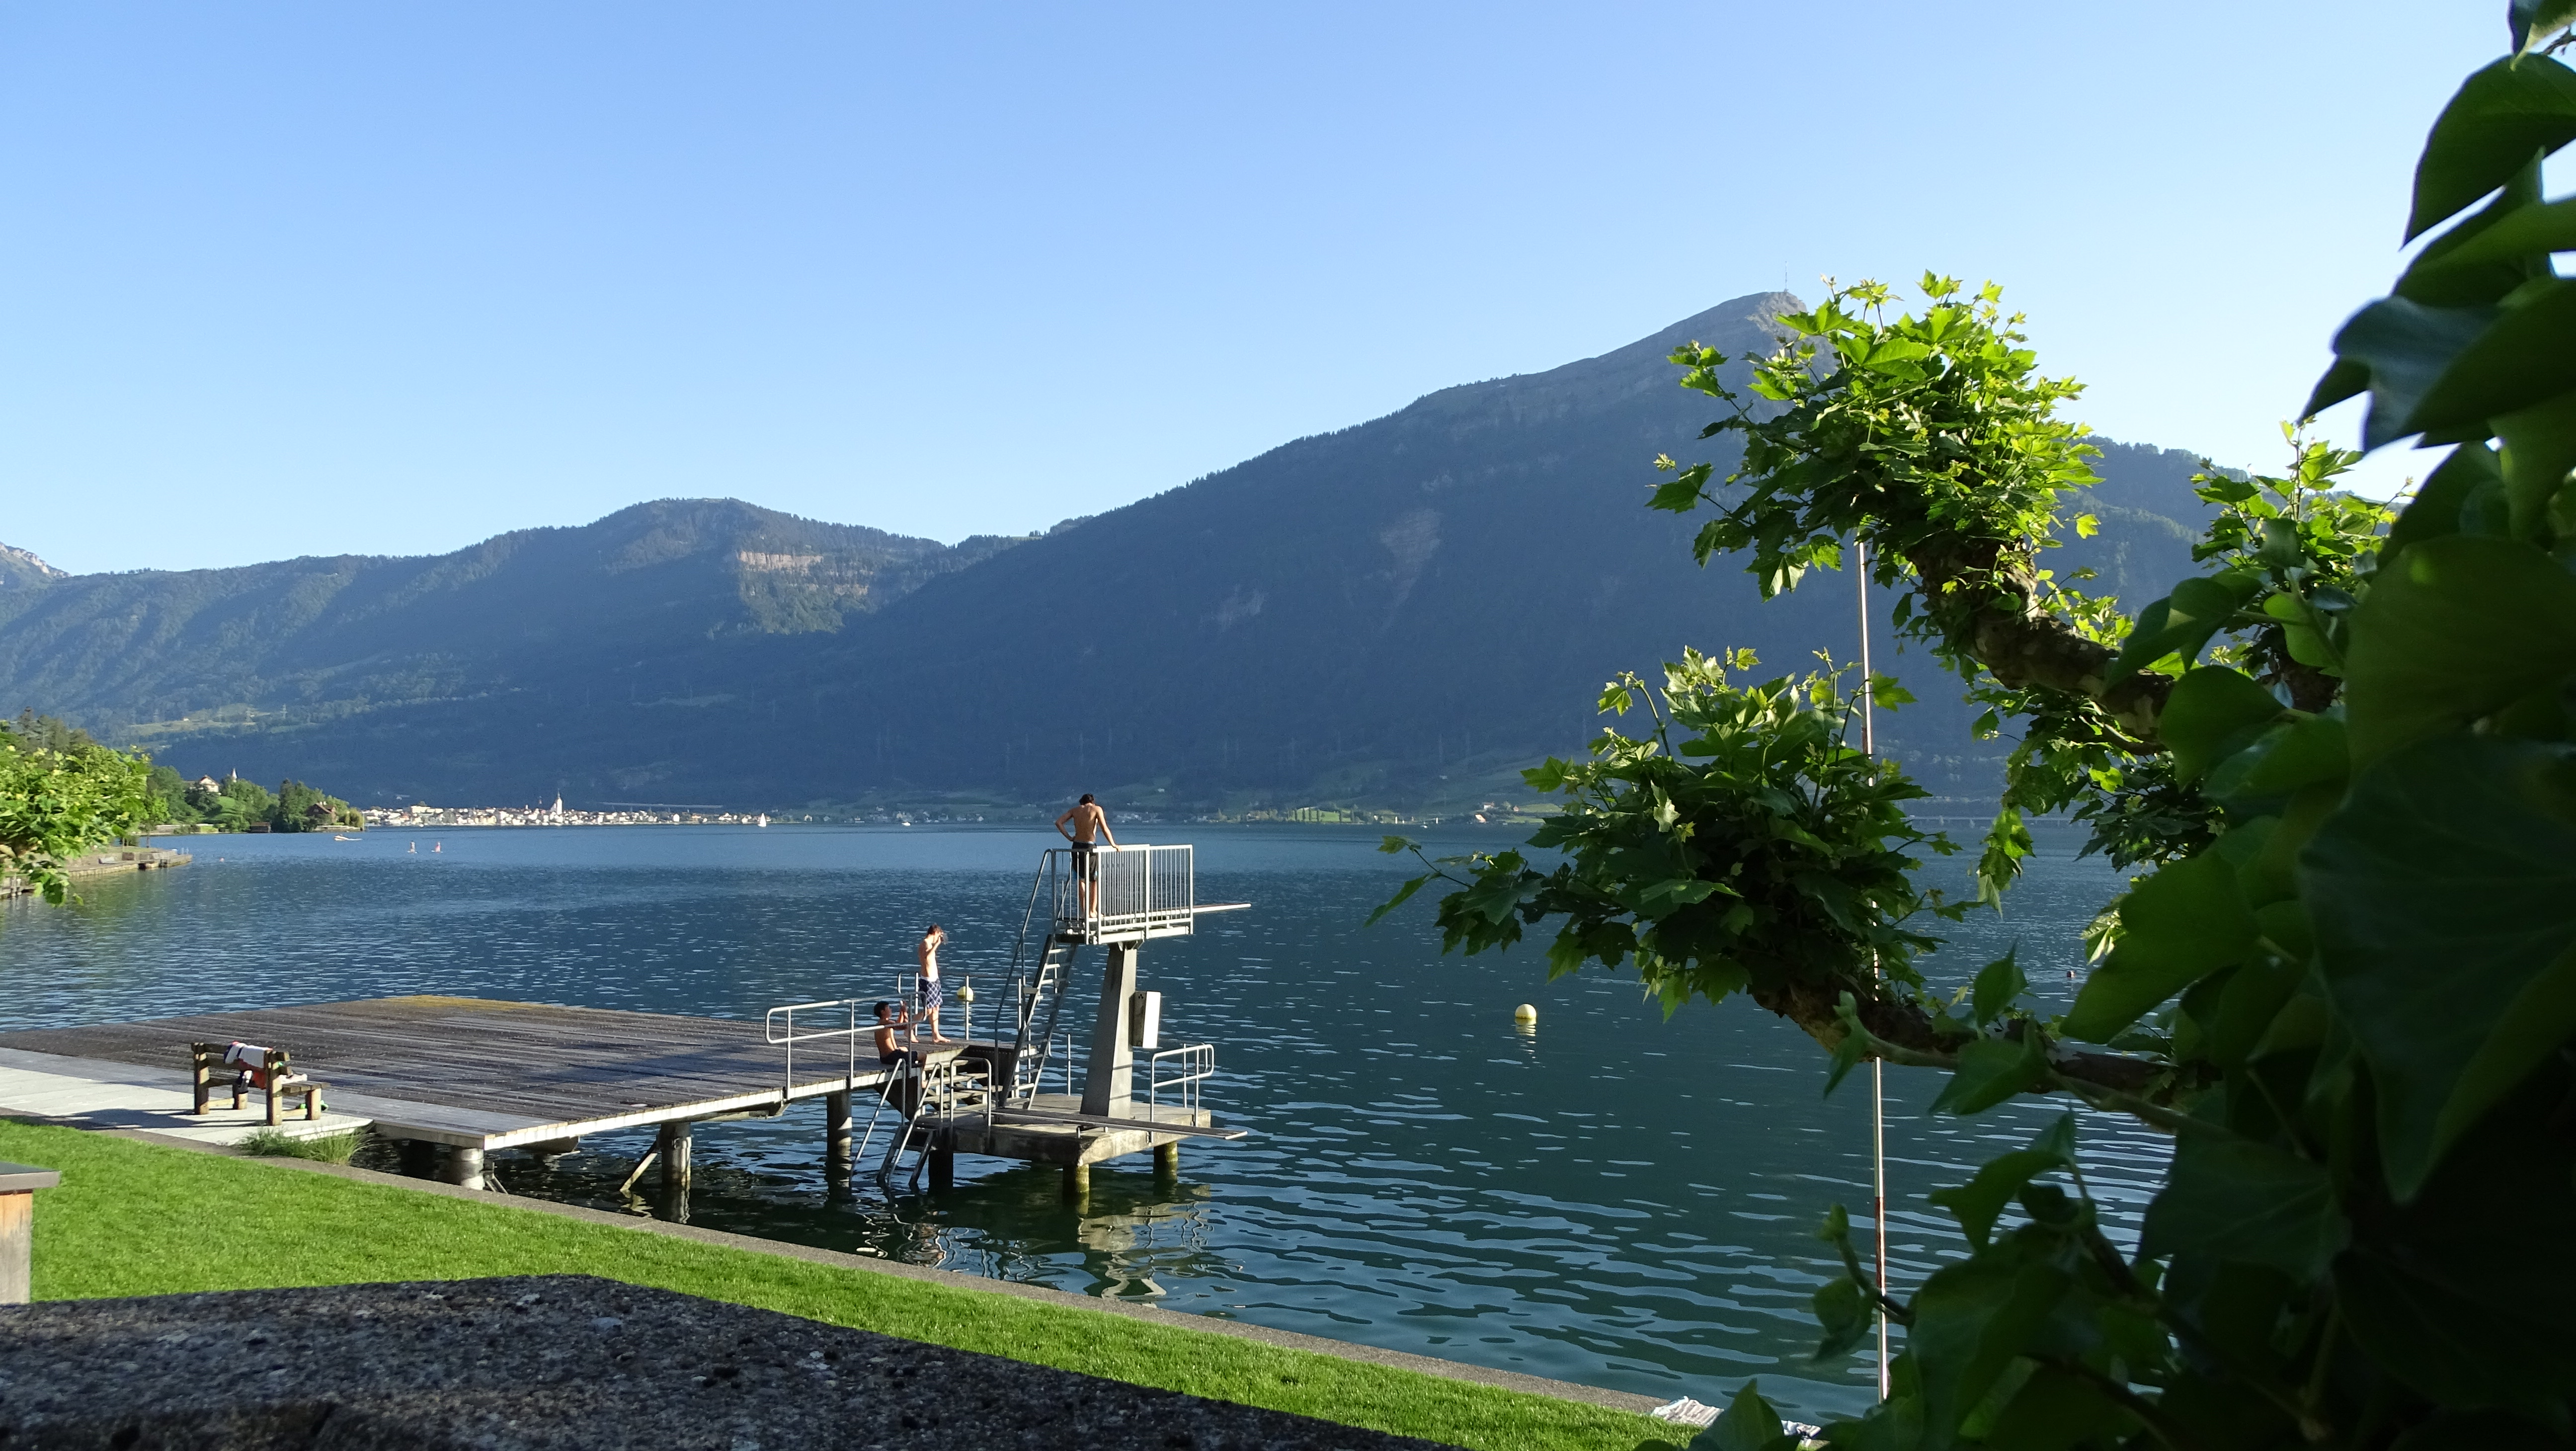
<point x="2344" y="977"/>
<point x="62" y="793"/>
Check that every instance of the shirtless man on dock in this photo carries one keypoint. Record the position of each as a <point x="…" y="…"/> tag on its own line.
<point x="1078" y="826"/>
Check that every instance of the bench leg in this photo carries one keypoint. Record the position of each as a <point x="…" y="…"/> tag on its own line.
<point x="273" y="1119"/>
<point x="17" y="1235"/>
<point x="312" y="1105"/>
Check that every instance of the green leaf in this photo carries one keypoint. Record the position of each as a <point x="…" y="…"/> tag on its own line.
<point x="2463" y="1293"/>
<point x="2539" y="448"/>
<point x="2436" y="508"/>
<point x="2460" y="627"/>
<point x="2211" y="712"/>
<point x="2535" y="22"/>
<point x="1498" y="892"/>
<point x="1990" y="1071"/>
<point x="2430" y="1336"/>
<point x="1970" y="1321"/>
<point x="1980" y="1202"/>
<point x="1848" y="1314"/>
<point x="1747" y="1424"/>
<point x="1850" y="1050"/>
<point x="2249" y="1003"/>
<point x="2437" y="278"/>
<point x="2182" y="622"/>
<point x="2533" y="229"/>
<point x="1402" y="895"/>
<point x="2406" y="345"/>
<point x="2054" y="1410"/>
<point x="2235" y="1198"/>
<point x="2499" y="119"/>
<point x="1998" y="983"/>
<point x="2183" y="923"/>
<point x="2343" y="378"/>
<point x="2287" y="758"/>
<point x="2519" y="359"/>
<point x="2444" y="899"/>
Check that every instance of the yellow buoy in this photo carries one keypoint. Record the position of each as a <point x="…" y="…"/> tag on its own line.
<point x="1525" y="1014"/>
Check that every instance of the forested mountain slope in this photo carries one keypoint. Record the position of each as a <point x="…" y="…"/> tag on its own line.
<point x="1402" y="611"/>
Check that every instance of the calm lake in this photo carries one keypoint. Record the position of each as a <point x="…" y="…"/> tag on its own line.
<point x="1612" y="1199"/>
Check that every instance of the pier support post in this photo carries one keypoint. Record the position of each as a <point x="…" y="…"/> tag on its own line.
<point x="1108" y="1082"/>
<point x="837" y="1133"/>
<point x="419" y="1158"/>
<point x="943" y="1168"/>
<point x="464" y="1166"/>
<point x="673" y="1146"/>
<point x="1077" y="1182"/>
<point x="1167" y="1159"/>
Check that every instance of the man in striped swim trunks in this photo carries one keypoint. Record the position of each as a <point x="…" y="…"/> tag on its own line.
<point x="926" y="952"/>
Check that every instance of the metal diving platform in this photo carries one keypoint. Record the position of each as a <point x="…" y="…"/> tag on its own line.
<point x="991" y="1095"/>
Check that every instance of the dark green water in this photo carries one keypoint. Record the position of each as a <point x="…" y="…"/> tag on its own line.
<point x="1611" y="1199"/>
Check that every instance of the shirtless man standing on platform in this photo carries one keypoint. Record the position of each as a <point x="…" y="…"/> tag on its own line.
<point x="1078" y="826"/>
<point x="926" y="953"/>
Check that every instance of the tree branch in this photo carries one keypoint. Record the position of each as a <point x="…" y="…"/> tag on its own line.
<point x="1901" y="1032"/>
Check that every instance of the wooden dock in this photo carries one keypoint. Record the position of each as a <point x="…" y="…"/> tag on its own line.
<point x="476" y="1075"/>
<point x="479" y="1074"/>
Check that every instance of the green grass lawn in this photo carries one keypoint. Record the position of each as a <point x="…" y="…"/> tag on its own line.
<point x="138" y="1219"/>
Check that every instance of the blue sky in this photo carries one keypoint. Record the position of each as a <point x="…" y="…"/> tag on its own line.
<point x="309" y="279"/>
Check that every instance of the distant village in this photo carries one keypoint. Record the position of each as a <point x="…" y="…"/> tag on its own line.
<point x="654" y="814"/>
<point x="418" y="814"/>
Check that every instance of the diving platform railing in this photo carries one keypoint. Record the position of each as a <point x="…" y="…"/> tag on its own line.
<point x="1120" y="894"/>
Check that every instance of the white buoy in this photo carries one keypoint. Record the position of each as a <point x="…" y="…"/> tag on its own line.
<point x="1525" y="1014"/>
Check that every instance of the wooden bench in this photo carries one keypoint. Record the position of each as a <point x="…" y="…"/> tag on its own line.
<point x="275" y="1075"/>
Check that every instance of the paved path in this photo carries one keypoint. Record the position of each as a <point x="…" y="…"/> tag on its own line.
<point x="93" y="1093"/>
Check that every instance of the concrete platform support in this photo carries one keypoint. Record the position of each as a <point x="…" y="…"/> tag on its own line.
<point x="1077" y="1182"/>
<point x="463" y="1166"/>
<point x="838" y="1133"/>
<point x="1108" y="1082"/>
<point x="1167" y="1159"/>
<point x="673" y="1146"/>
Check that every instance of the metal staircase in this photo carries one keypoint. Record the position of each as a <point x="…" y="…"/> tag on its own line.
<point x="1041" y="1002"/>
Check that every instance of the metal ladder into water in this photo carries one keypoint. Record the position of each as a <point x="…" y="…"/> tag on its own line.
<point x="940" y="1091"/>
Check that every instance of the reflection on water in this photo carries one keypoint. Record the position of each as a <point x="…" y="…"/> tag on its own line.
<point x="1603" y="1197"/>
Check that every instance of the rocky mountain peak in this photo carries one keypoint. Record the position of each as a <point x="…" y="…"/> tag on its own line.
<point x="20" y="569"/>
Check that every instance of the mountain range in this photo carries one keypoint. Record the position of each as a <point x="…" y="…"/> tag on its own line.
<point x="1400" y="613"/>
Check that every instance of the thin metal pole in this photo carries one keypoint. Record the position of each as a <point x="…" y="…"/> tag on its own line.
<point x="1877" y="1066"/>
